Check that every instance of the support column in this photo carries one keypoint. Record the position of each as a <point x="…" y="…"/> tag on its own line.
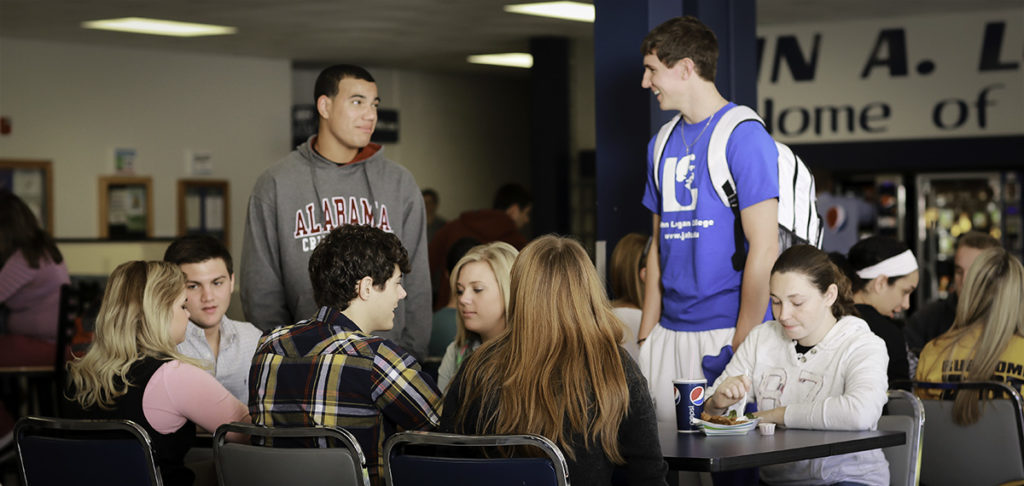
<point x="549" y="135"/>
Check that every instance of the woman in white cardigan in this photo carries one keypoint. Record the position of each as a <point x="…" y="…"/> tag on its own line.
<point x="816" y="366"/>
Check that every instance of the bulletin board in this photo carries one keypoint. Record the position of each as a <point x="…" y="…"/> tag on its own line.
<point x="32" y="181"/>
<point x="126" y="207"/>
<point x="204" y="208"/>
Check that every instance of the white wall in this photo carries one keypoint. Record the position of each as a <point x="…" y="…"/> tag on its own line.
<point x="463" y="135"/>
<point x="73" y="104"/>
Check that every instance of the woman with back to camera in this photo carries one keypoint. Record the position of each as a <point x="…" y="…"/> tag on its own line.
<point x="480" y="282"/>
<point x="986" y="342"/>
<point x="559" y="372"/>
<point x="816" y="366"/>
<point x="32" y="274"/>
<point x="628" y="272"/>
<point x="884" y="273"/>
<point x="133" y="370"/>
<point x="32" y="271"/>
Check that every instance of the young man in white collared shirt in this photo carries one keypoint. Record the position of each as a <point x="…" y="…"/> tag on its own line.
<point x="227" y="345"/>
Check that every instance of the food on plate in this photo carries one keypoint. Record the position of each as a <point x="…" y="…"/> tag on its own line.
<point x="721" y="419"/>
<point x="731" y="419"/>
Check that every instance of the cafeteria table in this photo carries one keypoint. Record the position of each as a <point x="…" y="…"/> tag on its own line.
<point x="696" y="452"/>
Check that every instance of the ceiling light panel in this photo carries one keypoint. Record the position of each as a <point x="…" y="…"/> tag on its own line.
<point x="509" y="59"/>
<point x="580" y="12"/>
<point x="141" y="25"/>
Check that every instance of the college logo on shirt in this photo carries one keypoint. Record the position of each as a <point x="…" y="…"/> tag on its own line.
<point x="338" y="211"/>
<point x="679" y="193"/>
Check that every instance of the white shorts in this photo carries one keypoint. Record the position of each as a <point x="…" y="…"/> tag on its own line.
<point x="668" y="355"/>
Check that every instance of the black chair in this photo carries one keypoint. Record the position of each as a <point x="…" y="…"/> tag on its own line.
<point x="54" y="451"/>
<point x="432" y="458"/>
<point x="259" y="465"/>
<point x="990" y="451"/>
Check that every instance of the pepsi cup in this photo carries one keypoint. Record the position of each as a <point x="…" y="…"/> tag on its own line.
<point x="689" y="396"/>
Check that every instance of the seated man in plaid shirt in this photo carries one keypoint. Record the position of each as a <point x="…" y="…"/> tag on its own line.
<point x="331" y="370"/>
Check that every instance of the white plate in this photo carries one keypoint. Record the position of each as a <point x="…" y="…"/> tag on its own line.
<point x="719" y="429"/>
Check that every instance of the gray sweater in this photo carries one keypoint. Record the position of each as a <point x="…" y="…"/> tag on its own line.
<point x="286" y="219"/>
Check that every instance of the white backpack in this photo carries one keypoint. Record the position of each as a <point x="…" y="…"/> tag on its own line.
<point x="799" y="222"/>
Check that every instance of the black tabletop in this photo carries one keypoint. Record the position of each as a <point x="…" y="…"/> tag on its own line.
<point x="696" y="452"/>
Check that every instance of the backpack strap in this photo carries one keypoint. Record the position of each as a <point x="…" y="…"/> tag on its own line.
<point x="718" y="166"/>
<point x="721" y="176"/>
<point x="659" y="146"/>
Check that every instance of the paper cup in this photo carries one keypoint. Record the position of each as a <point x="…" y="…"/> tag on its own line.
<point x="766" y="429"/>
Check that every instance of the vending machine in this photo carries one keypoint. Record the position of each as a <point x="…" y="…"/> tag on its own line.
<point x="950" y="204"/>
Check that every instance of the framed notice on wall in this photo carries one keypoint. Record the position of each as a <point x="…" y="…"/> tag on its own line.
<point x="32" y="181"/>
<point x="126" y="207"/>
<point x="203" y="208"/>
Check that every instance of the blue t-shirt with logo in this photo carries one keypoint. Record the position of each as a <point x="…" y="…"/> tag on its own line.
<point x="701" y="289"/>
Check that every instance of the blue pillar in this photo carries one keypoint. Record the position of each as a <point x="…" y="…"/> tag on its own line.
<point x="628" y="116"/>
<point x="549" y="135"/>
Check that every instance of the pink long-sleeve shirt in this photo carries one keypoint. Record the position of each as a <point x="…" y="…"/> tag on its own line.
<point x="32" y="295"/>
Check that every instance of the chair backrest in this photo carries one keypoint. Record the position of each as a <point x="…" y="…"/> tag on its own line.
<point x="66" y="451"/>
<point x="431" y="458"/>
<point x="990" y="451"/>
<point x="255" y="465"/>
<point x="904" y="413"/>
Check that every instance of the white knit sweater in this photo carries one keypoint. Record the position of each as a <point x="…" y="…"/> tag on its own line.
<point x="840" y="384"/>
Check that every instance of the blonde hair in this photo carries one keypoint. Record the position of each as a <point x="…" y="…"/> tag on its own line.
<point x="134" y="322"/>
<point x="991" y="299"/>
<point x="557" y="371"/>
<point x="625" y="271"/>
<point x="499" y="256"/>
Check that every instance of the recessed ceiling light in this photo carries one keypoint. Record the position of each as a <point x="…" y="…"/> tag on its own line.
<point x="581" y="12"/>
<point x="140" y="25"/>
<point x="509" y="59"/>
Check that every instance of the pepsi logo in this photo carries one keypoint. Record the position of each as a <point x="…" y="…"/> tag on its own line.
<point x="696" y="395"/>
<point x="676" y="392"/>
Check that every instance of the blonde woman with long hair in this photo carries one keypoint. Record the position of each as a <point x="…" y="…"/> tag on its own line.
<point x="986" y="341"/>
<point x="559" y="372"/>
<point x="480" y="284"/>
<point x="133" y="370"/>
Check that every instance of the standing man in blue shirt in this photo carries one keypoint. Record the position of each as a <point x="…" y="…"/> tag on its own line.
<point x="697" y="307"/>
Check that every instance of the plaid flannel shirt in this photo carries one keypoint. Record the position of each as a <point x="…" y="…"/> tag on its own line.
<point x="326" y="371"/>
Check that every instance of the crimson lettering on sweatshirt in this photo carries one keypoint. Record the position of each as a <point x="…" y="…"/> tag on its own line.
<point x="338" y="211"/>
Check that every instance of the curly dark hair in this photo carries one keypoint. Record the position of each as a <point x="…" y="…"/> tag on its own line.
<point x="348" y="254"/>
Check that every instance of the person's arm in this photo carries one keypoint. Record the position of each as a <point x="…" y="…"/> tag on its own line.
<point x="859" y="406"/>
<point x="406" y="395"/>
<point x="736" y="380"/>
<point x="262" y="285"/>
<point x="651" y="312"/>
<point x="761" y="228"/>
<point x="179" y="392"/>
<point x="415" y="336"/>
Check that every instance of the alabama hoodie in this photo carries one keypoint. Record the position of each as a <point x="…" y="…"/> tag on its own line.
<point x="296" y="202"/>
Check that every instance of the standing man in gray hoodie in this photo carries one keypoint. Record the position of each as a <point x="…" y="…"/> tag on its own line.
<point x="336" y="178"/>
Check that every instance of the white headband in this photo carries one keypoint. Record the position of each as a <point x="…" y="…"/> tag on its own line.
<point x="896" y="266"/>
